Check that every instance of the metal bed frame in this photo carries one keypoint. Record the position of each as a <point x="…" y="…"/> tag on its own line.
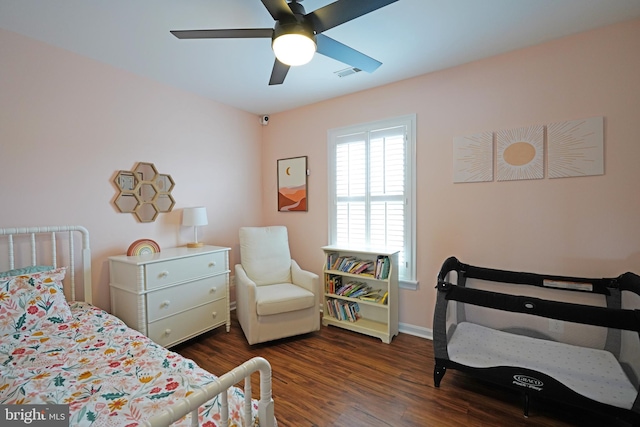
<point x="26" y="243"/>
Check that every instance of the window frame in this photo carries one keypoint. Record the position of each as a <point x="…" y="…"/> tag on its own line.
<point x="409" y="280"/>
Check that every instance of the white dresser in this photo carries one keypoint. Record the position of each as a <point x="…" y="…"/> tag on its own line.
<point x="172" y="295"/>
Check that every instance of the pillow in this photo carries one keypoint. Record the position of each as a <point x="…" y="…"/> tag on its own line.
<point x="32" y="301"/>
<point x="26" y="270"/>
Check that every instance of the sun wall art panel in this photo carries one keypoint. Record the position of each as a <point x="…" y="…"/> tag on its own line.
<point x="520" y="153"/>
<point x="473" y="158"/>
<point x="576" y="148"/>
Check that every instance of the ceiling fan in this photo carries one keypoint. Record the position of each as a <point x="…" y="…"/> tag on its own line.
<point x="297" y="35"/>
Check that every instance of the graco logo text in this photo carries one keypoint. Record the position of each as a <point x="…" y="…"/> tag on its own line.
<point x="528" y="382"/>
<point x="34" y="415"/>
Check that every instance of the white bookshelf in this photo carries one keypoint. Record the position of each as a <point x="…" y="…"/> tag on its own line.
<point x="376" y="319"/>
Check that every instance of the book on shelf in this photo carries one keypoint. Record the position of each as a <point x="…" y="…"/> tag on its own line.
<point x="353" y="266"/>
<point x="361" y="290"/>
<point x="331" y="259"/>
<point x="361" y="267"/>
<point x="372" y="296"/>
<point x="352" y="288"/>
<point x="333" y="309"/>
<point x="342" y="262"/>
<point x="337" y="263"/>
<point x="343" y="310"/>
<point x="384" y="298"/>
<point x="382" y="267"/>
<point x="350" y="264"/>
<point x="333" y="282"/>
<point x="376" y="272"/>
<point x="340" y="290"/>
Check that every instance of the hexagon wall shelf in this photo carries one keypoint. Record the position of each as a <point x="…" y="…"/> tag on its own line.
<point x="144" y="192"/>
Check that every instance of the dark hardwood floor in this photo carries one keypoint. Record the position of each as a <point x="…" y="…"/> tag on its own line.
<point x="336" y="377"/>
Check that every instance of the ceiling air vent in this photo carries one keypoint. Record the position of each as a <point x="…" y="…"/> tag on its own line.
<point x="347" y="72"/>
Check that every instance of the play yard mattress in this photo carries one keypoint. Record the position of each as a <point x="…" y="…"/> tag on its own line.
<point x="595" y="374"/>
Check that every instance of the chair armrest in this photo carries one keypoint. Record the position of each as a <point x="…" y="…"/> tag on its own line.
<point x="305" y="279"/>
<point x="242" y="280"/>
<point x="245" y="297"/>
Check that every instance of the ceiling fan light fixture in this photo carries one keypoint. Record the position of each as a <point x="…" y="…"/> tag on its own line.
<point x="296" y="34"/>
<point x="294" y="45"/>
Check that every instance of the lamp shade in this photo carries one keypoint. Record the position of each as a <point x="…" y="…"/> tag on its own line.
<point x="293" y="43"/>
<point x="294" y="49"/>
<point x="194" y="216"/>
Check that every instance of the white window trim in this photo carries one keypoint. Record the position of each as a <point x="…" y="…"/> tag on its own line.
<point x="410" y="122"/>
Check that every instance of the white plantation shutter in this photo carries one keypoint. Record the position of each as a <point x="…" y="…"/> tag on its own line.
<point x="351" y="180"/>
<point x="370" y="191"/>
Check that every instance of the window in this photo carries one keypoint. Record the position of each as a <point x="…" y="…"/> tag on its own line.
<point x="372" y="189"/>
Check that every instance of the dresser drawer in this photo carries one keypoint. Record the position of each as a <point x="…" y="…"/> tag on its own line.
<point x="178" y="328"/>
<point x="173" y="295"/>
<point x="168" y="301"/>
<point x="181" y="269"/>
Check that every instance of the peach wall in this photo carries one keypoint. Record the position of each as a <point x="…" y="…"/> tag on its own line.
<point x="68" y="123"/>
<point x="585" y="226"/>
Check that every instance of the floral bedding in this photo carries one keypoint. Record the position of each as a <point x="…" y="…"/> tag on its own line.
<point x="109" y="374"/>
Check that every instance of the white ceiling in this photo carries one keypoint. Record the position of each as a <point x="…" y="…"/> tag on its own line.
<point x="410" y="38"/>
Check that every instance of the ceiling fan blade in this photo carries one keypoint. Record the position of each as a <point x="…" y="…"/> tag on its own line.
<point x="278" y="73"/>
<point x="343" y="53"/>
<point x="343" y="11"/>
<point x="240" y="33"/>
<point x="278" y="9"/>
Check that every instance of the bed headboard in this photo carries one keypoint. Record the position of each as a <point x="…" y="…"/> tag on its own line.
<point x="51" y="245"/>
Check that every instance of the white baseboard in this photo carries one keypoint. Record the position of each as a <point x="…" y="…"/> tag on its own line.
<point x="417" y="331"/>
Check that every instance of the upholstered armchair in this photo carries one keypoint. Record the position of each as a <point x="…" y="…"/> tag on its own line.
<point x="275" y="298"/>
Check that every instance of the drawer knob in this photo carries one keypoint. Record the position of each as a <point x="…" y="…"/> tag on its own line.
<point x="213" y="290"/>
<point x="212" y="264"/>
<point x="163" y="274"/>
<point x="167" y="331"/>
<point x="165" y="304"/>
<point x="214" y="314"/>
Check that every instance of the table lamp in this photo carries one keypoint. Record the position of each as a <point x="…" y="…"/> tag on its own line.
<point x="194" y="217"/>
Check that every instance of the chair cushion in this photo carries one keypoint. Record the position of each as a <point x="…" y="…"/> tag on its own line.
<point x="264" y="254"/>
<point x="282" y="298"/>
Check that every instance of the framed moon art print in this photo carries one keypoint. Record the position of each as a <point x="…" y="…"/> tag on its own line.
<point x="292" y="184"/>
